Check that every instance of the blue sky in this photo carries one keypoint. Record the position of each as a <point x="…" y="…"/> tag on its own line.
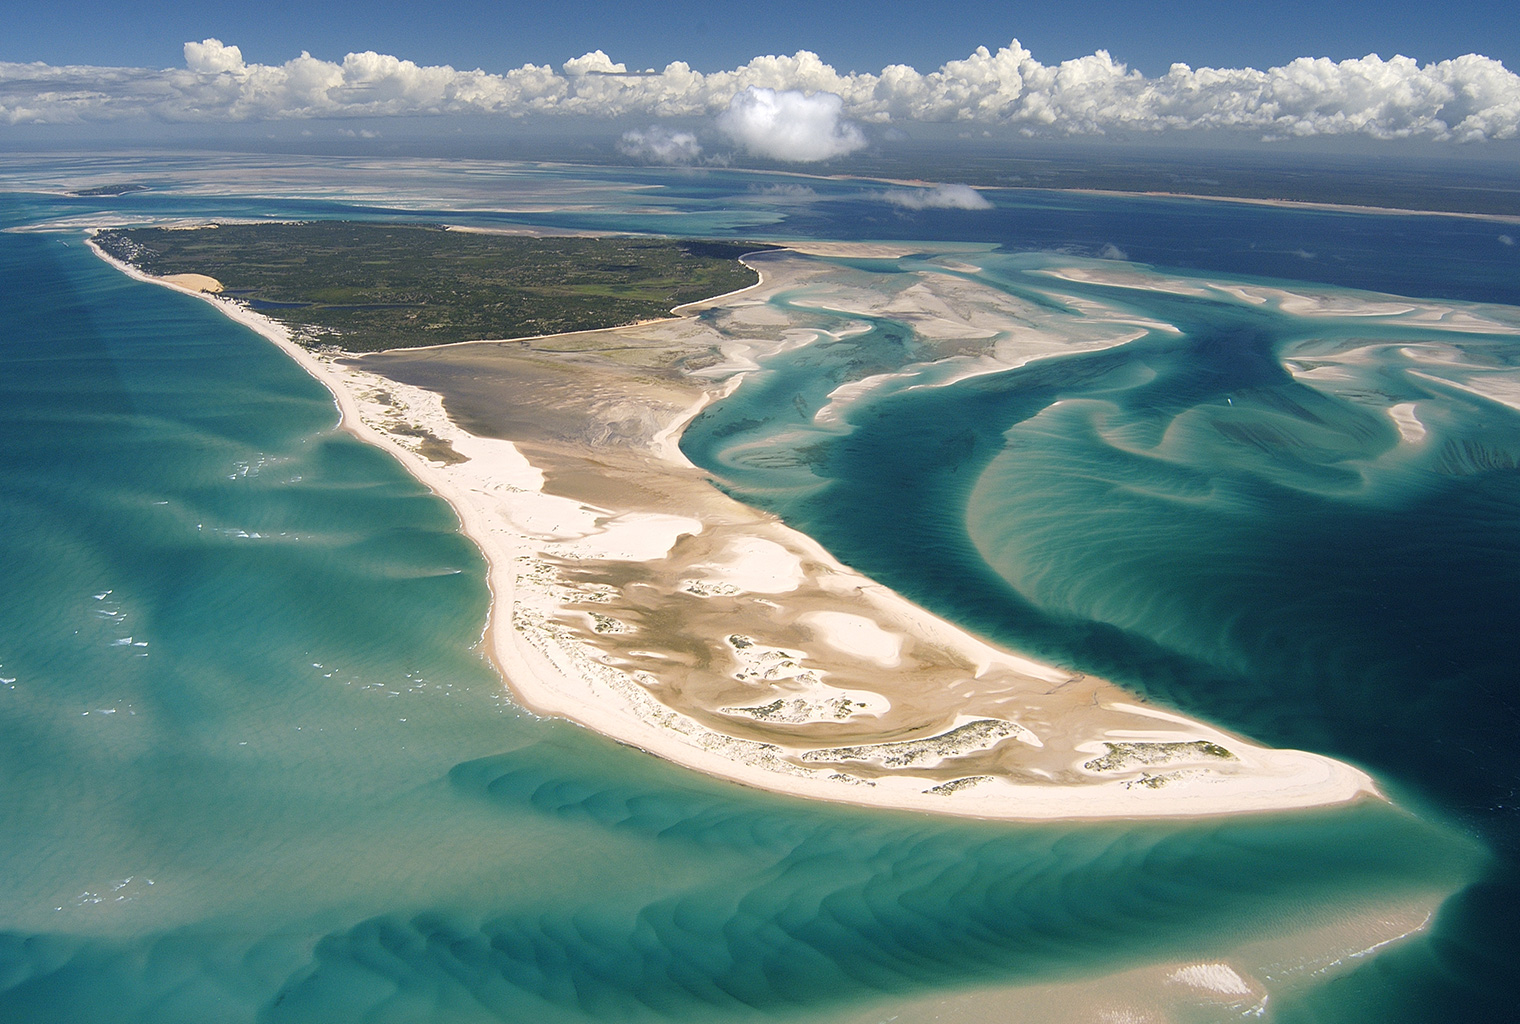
<point x="852" y="35"/>
<point x="798" y="81"/>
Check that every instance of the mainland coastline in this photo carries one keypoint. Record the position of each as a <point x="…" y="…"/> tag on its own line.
<point x="633" y="597"/>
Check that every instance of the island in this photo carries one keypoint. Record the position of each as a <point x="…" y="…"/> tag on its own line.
<point x="107" y="191"/>
<point x="630" y="594"/>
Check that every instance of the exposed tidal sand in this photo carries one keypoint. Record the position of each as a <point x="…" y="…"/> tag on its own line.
<point x="1451" y="351"/>
<point x="194" y="282"/>
<point x="633" y="597"/>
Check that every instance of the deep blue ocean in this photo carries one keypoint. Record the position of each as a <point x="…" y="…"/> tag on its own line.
<point x="255" y="767"/>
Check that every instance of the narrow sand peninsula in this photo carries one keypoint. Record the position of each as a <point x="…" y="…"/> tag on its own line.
<point x="633" y="597"/>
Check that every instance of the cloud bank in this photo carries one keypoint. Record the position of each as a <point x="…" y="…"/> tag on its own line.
<point x="776" y="106"/>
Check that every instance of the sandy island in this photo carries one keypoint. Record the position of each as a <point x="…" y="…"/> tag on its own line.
<point x="633" y="597"/>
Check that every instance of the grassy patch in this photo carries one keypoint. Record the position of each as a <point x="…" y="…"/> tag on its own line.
<point x="1125" y="756"/>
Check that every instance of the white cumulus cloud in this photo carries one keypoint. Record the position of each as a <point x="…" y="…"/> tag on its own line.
<point x="212" y="57"/>
<point x="800" y="108"/>
<point x="790" y="125"/>
<point x="659" y="145"/>
<point x="594" y="62"/>
<point x="938" y="197"/>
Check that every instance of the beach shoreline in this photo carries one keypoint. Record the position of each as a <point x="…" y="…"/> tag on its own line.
<point x="1090" y="752"/>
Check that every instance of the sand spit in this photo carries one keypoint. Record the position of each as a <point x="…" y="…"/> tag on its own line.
<point x="633" y="597"/>
<point x="1293" y="204"/>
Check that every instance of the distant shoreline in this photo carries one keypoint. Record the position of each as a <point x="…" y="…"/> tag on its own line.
<point x="1292" y="204"/>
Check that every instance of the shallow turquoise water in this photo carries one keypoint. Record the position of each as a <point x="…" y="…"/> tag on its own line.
<point x="255" y="768"/>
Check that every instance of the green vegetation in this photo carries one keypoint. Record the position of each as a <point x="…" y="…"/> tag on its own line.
<point x="1124" y="756"/>
<point x="366" y="287"/>
<point x="956" y="785"/>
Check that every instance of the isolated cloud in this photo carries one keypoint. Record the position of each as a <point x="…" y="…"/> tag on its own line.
<point x="939" y="197"/>
<point x="657" y="145"/>
<point x="790" y="125"/>
<point x="798" y="107"/>
<point x="786" y="192"/>
<point x="595" y="62"/>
